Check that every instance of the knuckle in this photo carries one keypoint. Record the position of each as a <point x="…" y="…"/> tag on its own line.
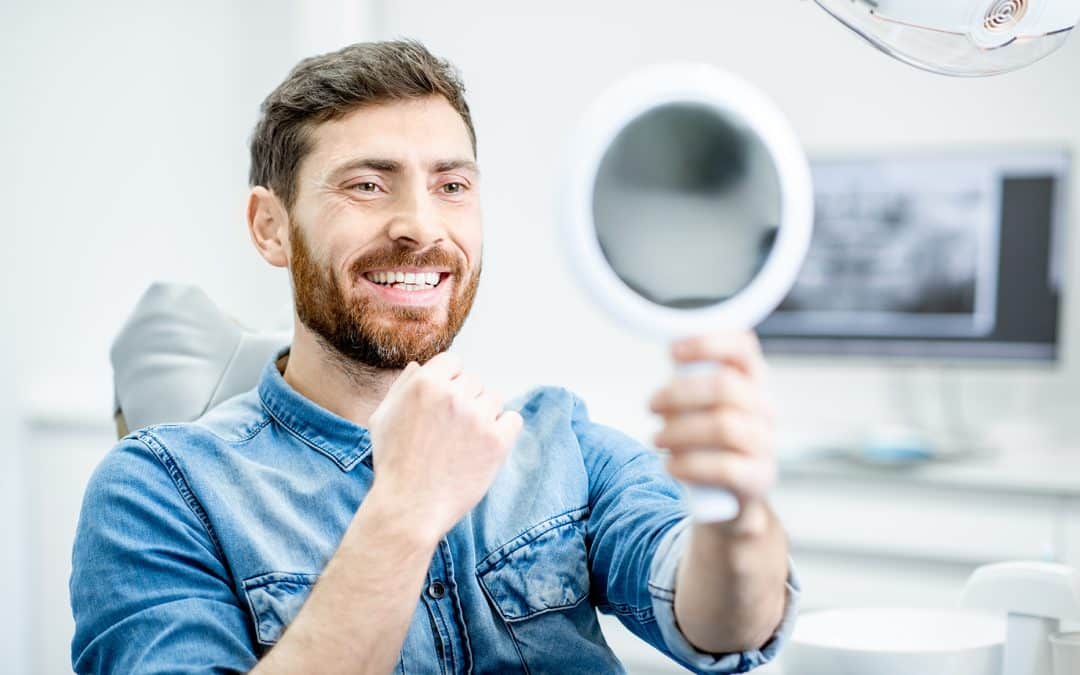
<point x="725" y="425"/>
<point x="459" y="405"/>
<point x="490" y="401"/>
<point x="658" y="400"/>
<point x="720" y="383"/>
<point x="477" y="413"/>
<point x="424" y="382"/>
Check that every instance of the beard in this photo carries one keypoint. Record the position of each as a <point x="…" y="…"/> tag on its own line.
<point x="365" y="331"/>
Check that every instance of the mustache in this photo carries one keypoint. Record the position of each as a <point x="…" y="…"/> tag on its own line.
<point x="402" y="257"/>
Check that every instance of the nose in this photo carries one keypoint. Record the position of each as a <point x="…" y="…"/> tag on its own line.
<point x="416" y="224"/>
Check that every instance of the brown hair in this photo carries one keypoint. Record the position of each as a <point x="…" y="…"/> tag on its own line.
<point x="328" y="87"/>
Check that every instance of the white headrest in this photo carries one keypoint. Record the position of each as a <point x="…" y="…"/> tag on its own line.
<point x="179" y="355"/>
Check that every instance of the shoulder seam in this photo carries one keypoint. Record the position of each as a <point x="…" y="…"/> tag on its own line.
<point x="158" y="449"/>
<point x="198" y="423"/>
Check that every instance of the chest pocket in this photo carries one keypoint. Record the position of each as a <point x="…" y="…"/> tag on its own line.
<point x="538" y="583"/>
<point x="544" y="569"/>
<point x="275" y="599"/>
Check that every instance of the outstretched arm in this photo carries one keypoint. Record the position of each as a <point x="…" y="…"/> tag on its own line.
<point x="731" y="586"/>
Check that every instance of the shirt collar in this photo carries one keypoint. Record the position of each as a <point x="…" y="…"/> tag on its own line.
<point x="344" y="442"/>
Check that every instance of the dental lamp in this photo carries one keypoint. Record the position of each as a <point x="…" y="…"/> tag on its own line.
<point x="964" y="38"/>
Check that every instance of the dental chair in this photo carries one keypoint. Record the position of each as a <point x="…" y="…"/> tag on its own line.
<point x="179" y="355"/>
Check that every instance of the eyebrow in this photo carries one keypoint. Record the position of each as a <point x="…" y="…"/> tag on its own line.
<point x="393" y="166"/>
<point x="445" y="165"/>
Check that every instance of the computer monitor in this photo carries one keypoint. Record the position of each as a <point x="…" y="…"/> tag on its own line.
<point x="951" y="255"/>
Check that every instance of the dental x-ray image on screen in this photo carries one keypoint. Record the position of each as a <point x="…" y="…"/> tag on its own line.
<point x="941" y="255"/>
<point x="900" y="248"/>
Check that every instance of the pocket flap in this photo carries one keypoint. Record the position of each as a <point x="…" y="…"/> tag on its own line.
<point x="275" y="600"/>
<point x="548" y="571"/>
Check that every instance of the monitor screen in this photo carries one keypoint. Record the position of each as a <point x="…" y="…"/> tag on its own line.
<point x="949" y="255"/>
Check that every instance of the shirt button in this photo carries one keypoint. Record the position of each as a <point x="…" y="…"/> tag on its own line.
<point x="436" y="590"/>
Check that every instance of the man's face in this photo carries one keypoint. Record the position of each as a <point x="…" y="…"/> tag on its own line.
<point x="385" y="232"/>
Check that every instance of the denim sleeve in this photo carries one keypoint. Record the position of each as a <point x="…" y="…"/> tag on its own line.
<point x="662" y="588"/>
<point x="636" y="534"/>
<point x="150" y="592"/>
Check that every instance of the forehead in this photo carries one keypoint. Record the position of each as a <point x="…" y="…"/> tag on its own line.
<point x="410" y="131"/>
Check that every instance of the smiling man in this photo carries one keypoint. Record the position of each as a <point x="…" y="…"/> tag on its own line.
<point x="370" y="507"/>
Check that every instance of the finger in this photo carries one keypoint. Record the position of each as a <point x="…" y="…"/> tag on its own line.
<point x="744" y="476"/>
<point x="468" y="386"/>
<point x="727" y="429"/>
<point x="444" y="366"/>
<point x="406" y="373"/>
<point x="508" y="425"/>
<point x="490" y="405"/>
<point x="725" y="386"/>
<point x="739" y="349"/>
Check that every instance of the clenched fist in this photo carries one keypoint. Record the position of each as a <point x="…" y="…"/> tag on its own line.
<point x="438" y="440"/>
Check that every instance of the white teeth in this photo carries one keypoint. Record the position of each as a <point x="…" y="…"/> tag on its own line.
<point x="410" y="281"/>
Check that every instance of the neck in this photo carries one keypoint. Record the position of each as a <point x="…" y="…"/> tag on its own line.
<point x="328" y="379"/>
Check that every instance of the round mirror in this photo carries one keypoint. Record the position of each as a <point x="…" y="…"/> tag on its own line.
<point x="689" y="203"/>
<point x="680" y="189"/>
<point x="688" y="210"/>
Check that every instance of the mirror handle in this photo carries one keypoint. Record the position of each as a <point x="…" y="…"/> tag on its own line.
<point x="707" y="504"/>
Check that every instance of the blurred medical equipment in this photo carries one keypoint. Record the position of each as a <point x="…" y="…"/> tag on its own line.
<point x="688" y="209"/>
<point x="932" y="262"/>
<point x="966" y="38"/>
<point x="932" y="255"/>
<point x="1006" y="627"/>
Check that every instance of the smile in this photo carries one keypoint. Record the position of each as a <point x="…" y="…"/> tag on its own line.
<point x="416" y="287"/>
<point x="413" y="280"/>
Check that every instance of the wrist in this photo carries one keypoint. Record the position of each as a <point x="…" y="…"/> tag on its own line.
<point x="387" y="512"/>
<point x="753" y="522"/>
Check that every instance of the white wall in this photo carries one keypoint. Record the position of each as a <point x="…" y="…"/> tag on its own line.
<point x="14" y="629"/>
<point x="14" y="556"/>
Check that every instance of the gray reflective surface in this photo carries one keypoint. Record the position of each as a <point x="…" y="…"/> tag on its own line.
<point x="686" y="206"/>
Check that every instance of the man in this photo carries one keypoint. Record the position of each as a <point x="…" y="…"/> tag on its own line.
<point x="370" y="507"/>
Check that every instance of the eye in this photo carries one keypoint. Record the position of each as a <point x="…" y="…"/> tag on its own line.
<point x="453" y="188"/>
<point x="366" y="187"/>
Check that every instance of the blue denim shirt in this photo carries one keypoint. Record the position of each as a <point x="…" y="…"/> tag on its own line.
<point x="198" y="543"/>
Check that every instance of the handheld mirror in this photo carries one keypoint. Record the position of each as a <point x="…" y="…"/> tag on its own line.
<point x="688" y="211"/>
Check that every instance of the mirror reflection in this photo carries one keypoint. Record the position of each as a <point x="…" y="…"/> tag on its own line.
<point x="686" y="205"/>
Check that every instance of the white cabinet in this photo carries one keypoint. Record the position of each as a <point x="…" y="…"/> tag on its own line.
<point x="910" y="537"/>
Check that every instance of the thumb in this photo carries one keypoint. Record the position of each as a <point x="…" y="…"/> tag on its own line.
<point x="508" y="426"/>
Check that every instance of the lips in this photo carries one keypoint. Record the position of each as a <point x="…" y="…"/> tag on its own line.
<point x="417" y="286"/>
<point x="408" y="279"/>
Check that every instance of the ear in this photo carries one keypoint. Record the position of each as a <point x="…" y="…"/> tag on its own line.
<point x="268" y="225"/>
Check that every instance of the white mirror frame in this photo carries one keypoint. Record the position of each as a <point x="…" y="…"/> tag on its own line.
<point x="736" y="101"/>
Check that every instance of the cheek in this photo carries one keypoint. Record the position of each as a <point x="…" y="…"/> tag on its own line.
<point x="469" y="235"/>
<point x="339" y="213"/>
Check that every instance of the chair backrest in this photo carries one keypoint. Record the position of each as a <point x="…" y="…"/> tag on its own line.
<point x="179" y="355"/>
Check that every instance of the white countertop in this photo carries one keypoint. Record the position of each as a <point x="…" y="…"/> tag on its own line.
<point x="1041" y="472"/>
